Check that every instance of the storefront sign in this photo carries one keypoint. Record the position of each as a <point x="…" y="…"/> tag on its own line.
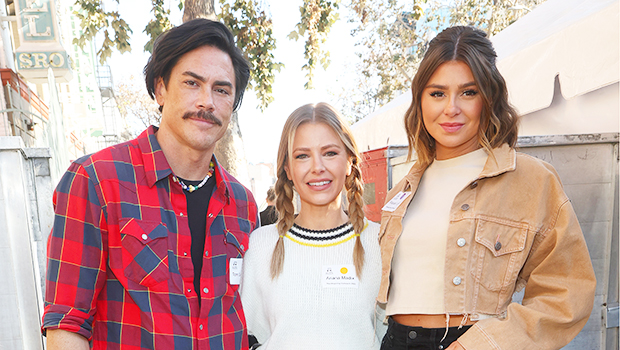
<point x="40" y="46"/>
<point x="37" y="60"/>
<point x="37" y="21"/>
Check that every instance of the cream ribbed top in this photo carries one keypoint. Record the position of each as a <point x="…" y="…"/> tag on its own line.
<point x="417" y="279"/>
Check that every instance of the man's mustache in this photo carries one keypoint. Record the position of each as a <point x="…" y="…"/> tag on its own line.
<point x="205" y="115"/>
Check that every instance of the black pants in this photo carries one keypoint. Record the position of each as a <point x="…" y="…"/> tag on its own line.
<point x="401" y="337"/>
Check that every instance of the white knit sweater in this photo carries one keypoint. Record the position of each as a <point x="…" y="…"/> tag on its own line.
<point x="302" y="308"/>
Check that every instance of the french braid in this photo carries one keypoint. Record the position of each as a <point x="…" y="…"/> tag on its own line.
<point x="355" y="190"/>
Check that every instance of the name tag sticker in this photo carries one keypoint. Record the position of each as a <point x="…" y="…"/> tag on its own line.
<point x="236" y="264"/>
<point x="395" y="202"/>
<point x="339" y="276"/>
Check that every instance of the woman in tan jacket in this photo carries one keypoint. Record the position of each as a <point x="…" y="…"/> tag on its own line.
<point x="474" y="221"/>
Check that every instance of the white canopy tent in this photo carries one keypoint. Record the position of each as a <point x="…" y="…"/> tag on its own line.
<point x="561" y="64"/>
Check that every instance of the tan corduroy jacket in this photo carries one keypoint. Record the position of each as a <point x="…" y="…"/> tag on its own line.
<point x="512" y="227"/>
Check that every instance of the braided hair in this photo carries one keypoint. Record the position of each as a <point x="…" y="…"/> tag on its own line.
<point x="317" y="113"/>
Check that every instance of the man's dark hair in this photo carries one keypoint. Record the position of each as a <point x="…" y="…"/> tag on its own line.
<point x="173" y="44"/>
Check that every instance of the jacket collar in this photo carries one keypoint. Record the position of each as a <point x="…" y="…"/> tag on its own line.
<point x="501" y="160"/>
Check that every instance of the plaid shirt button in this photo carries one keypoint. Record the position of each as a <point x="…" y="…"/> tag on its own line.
<point x="144" y="236"/>
<point x="206" y="290"/>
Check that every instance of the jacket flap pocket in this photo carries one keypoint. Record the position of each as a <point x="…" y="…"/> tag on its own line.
<point x="143" y="230"/>
<point x="501" y="236"/>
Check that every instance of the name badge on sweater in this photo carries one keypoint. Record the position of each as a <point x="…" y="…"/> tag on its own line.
<point x="395" y="202"/>
<point x="236" y="264"/>
<point x="339" y="276"/>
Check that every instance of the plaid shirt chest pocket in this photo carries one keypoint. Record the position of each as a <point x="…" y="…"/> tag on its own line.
<point x="236" y="236"/>
<point x="236" y="243"/>
<point x="144" y="251"/>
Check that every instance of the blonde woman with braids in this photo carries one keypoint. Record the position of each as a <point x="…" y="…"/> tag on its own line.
<point x="310" y="281"/>
<point x="474" y="221"/>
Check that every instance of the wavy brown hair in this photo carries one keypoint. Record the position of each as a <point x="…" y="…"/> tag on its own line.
<point x="328" y="115"/>
<point x="499" y="122"/>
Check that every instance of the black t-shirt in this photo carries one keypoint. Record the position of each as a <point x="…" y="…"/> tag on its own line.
<point x="268" y="216"/>
<point x="197" y="206"/>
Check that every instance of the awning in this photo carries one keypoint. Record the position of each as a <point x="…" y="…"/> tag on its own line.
<point x="576" y="40"/>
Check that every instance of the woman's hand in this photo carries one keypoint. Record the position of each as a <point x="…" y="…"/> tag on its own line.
<point x="455" y="346"/>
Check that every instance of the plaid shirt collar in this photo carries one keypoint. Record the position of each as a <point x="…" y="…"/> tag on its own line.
<point x="157" y="168"/>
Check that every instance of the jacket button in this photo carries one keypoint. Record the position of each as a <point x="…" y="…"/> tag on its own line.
<point x="456" y="281"/>
<point x="473" y="185"/>
<point x="461" y="242"/>
<point x="413" y="334"/>
<point x="465" y="206"/>
<point x="498" y="246"/>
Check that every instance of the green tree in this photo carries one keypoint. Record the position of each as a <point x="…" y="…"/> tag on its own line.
<point x="137" y="109"/>
<point x="392" y="37"/>
<point x="253" y="29"/>
<point x="247" y="19"/>
<point x="250" y="24"/>
<point x="316" y="20"/>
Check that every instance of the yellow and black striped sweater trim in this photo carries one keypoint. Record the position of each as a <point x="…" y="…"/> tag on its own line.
<point x="322" y="238"/>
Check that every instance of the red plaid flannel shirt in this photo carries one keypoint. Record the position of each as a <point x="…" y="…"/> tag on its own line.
<point x="119" y="265"/>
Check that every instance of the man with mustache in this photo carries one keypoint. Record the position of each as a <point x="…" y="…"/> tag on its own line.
<point x="149" y="235"/>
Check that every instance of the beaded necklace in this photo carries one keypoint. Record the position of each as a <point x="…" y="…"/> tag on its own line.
<point x="192" y="188"/>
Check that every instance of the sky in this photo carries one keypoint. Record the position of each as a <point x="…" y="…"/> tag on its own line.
<point x="260" y="130"/>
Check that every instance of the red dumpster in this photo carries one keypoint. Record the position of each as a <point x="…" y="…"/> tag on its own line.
<point x="376" y="173"/>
